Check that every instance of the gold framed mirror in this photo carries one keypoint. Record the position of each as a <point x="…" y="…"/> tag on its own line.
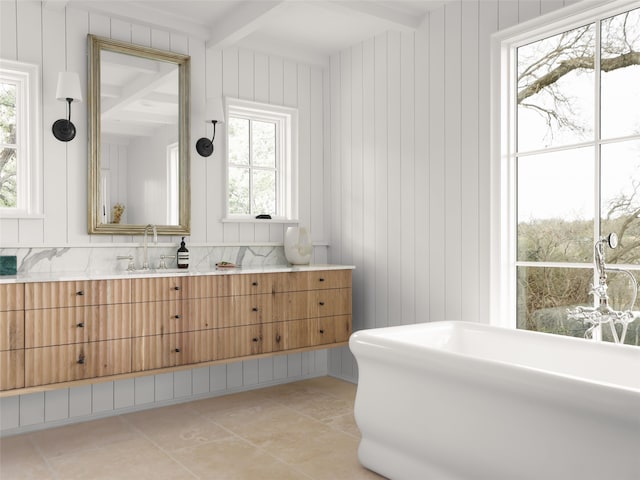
<point x="139" y="164"/>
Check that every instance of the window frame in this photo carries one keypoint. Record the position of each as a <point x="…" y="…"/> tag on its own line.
<point x="28" y="140"/>
<point x="503" y="213"/>
<point x="286" y="120"/>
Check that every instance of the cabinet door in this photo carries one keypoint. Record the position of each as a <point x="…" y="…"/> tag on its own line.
<point x="157" y="318"/>
<point x="11" y="369"/>
<point x="63" y="363"/>
<point x="76" y="294"/>
<point x="244" y="310"/>
<point x="61" y="326"/>
<point x="11" y="296"/>
<point x="11" y="330"/>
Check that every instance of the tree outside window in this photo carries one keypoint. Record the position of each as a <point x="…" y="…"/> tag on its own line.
<point x="577" y="166"/>
<point x="9" y="151"/>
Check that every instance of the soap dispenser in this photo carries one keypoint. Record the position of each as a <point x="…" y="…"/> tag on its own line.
<point x="183" y="255"/>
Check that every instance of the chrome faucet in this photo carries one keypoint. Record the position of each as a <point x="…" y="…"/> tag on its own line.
<point x="145" y="263"/>
<point x="603" y="314"/>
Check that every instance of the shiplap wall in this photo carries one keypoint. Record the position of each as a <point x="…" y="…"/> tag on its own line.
<point x="410" y="167"/>
<point x="55" y="39"/>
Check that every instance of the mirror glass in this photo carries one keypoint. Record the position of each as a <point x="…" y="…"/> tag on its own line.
<point x="139" y="139"/>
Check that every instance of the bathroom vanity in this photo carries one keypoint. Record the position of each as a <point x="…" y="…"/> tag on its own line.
<point x="59" y="333"/>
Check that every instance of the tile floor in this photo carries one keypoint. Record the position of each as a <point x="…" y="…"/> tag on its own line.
<point x="301" y="430"/>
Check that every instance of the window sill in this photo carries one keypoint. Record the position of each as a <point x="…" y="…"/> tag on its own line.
<point x="259" y="220"/>
<point x="6" y="215"/>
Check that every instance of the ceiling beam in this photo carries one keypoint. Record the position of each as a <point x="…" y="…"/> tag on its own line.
<point x="242" y="21"/>
<point x="395" y="18"/>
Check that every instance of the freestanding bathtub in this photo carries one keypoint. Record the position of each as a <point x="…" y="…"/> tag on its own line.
<point x="458" y="400"/>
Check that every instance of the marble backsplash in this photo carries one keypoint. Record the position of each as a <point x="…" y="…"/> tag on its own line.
<point x="92" y="260"/>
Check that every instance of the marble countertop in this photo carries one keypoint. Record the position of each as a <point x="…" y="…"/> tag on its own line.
<point x="169" y="272"/>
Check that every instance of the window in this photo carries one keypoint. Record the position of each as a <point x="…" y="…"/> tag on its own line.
<point x="19" y="143"/>
<point x="262" y="161"/>
<point x="570" y="167"/>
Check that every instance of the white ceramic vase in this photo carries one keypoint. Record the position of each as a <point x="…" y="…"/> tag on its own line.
<point x="297" y="246"/>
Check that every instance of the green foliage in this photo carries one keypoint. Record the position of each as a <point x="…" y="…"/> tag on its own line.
<point x="8" y="160"/>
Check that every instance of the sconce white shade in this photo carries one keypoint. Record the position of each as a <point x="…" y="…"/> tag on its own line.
<point x="69" y="87"/>
<point x="214" y="110"/>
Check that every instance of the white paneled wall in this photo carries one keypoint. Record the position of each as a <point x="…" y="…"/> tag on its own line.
<point x="410" y="167"/>
<point x="56" y="39"/>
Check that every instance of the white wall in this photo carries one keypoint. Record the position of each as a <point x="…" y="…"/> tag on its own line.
<point x="56" y="39"/>
<point x="410" y="167"/>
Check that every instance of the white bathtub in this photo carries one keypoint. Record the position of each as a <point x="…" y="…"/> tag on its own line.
<point x="458" y="400"/>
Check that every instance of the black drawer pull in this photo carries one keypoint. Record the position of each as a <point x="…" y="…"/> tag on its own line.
<point x="81" y="359"/>
<point x="176" y="288"/>
<point x="177" y="350"/>
<point x="321" y="304"/>
<point x="278" y="338"/>
<point x="254" y="309"/>
<point x="321" y="279"/>
<point x="255" y="339"/>
<point x="80" y="293"/>
<point x="322" y="331"/>
<point x="80" y="325"/>
<point x="176" y="316"/>
<point x="255" y="284"/>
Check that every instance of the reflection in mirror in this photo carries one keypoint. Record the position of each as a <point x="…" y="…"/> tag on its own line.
<point x="139" y="148"/>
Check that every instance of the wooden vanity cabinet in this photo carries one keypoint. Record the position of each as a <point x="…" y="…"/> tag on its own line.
<point x="76" y="330"/>
<point x="55" y="332"/>
<point x="11" y="336"/>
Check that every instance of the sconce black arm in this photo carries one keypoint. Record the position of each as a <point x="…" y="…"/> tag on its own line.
<point x="204" y="146"/>
<point x="63" y="129"/>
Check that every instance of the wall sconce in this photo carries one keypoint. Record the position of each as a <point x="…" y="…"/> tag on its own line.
<point x="215" y="112"/>
<point x="68" y="90"/>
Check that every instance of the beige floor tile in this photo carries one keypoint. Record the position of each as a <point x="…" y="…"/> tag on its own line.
<point x="338" y="462"/>
<point x="303" y="430"/>
<point x="19" y="459"/>
<point x="134" y="458"/>
<point x="235" y="459"/>
<point x="175" y="427"/>
<point x="82" y="436"/>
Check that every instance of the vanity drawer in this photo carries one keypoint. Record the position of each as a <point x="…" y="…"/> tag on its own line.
<point x="244" y="310"/>
<point x="11" y="369"/>
<point x="245" y="284"/>
<point x="170" y="350"/>
<point x="11" y="330"/>
<point x="62" y="326"/>
<point x="11" y="296"/>
<point x="243" y="341"/>
<point x="334" y="329"/>
<point x="312" y="303"/>
<point x="291" y="335"/>
<point x="205" y="286"/>
<point x="64" y="363"/>
<point x="323" y="279"/>
<point x="160" y="288"/>
<point x="156" y="318"/>
<point x="76" y="294"/>
<point x="336" y="301"/>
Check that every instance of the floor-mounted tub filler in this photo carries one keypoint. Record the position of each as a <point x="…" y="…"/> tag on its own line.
<point x="465" y="401"/>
